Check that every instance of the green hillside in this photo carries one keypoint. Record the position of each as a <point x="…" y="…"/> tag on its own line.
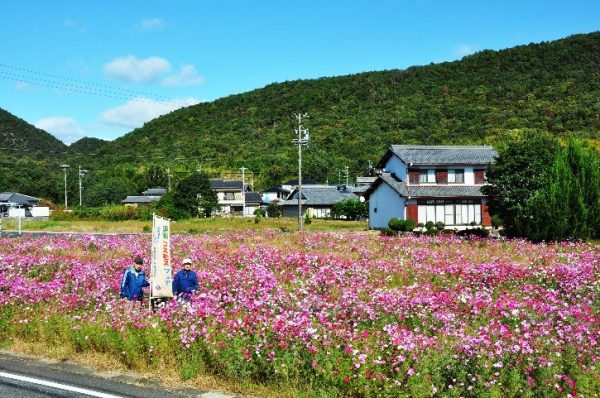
<point x="552" y="86"/>
<point x="23" y="138"/>
<point x="87" y="145"/>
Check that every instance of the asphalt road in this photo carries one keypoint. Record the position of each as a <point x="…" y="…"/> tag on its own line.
<point x="24" y="377"/>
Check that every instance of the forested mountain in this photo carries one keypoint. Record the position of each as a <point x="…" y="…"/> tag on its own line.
<point x="552" y="86"/>
<point x="483" y="98"/>
<point x="87" y="145"/>
<point x="21" y="137"/>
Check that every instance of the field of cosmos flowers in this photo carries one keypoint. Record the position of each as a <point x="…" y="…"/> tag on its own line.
<point x="332" y="314"/>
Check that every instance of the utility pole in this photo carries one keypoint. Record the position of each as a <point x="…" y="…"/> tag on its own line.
<point x="65" y="167"/>
<point x="243" y="191"/>
<point x="301" y="140"/>
<point x="81" y="174"/>
<point x="169" y="176"/>
<point x="347" y="175"/>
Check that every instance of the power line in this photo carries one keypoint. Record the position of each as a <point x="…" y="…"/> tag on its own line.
<point x="20" y="69"/>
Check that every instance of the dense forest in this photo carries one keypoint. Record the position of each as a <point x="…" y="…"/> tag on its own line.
<point x="484" y="98"/>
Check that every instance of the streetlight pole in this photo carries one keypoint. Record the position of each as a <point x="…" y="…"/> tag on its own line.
<point x="301" y="140"/>
<point x="81" y="174"/>
<point x="65" y="167"/>
<point x="243" y="169"/>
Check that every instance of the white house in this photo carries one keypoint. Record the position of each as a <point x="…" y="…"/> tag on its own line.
<point x="431" y="183"/>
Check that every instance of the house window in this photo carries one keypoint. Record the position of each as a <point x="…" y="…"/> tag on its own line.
<point x="479" y="176"/>
<point x="456" y="176"/>
<point x="426" y="176"/>
<point x="450" y="212"/>
<point x="229" y="196"/>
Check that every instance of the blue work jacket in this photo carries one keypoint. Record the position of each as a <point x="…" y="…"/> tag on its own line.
<point x="185" y="282"/>
<point x="133" y="283"/>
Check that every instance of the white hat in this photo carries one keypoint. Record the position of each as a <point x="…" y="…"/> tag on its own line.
<point x="186" y="261"/>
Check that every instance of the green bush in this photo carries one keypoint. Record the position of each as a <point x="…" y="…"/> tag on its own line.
<point x="478" y="232"/>
<point x="399" y="225"/>
<point x="120" y="213"/>
<point x="307" y="219"/>
<point x="429" y="225"/>
<point x="496" y="221"/>
<point x="440" y="226"/>
<point x="388" y="232"/>
<point x="273" y="210"/>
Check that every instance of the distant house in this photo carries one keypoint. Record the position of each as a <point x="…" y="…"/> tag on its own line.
<point x="274" y="195"/>
<point x="12" y="203"/>
<point x="231" y="200"/>
<point x="150" y="195"/>
<point x="431" y="183"/>
<point x="317" y="200"/>
<point x="155" y="192"/>
<point x="291" y="184"/>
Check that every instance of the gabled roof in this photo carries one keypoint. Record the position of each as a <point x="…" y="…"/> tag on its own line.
<point x="253" y="197"/>
<point x="425" y="191"/>
<point x="392" y="181"/>
<point x="320" y="195"/>
<point x="155" y="192"/>
<point x="18" y="198"/>
<point x="140" y="199"/>
<point x="217" y="183"/>
<point x="416" y="155"/>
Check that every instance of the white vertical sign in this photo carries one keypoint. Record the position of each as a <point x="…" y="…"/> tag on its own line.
<point x="160" y="267"/>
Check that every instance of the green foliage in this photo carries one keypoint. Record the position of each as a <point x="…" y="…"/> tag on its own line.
<point x="307" y="219"/>
<point x="156" y="177"/>
<point x="273" y="210"/>
<point x="567" y="206"/>
<point x="517" y="174"/>
<point x="398" y="225"/>
<point x="429" y="225"/>
<point x="496" y="221"/>
<point x="194" y="195"/>
<point x="166" y="208"/>
<point x="350" y="209"/>
<point x="479" y="232"/>
<point x="109" y="191"/>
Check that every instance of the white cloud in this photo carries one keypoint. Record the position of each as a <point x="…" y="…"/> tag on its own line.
<point x="150" y="24"/>
<point x="141" y="110"/>
<point x="464" y="49"/>
<point x="187" y="76"/>
<point x="21" y="86"/>
<point x="134" y="70"/>
<point x="64" y="128"/>
<point x="76" y="26"/>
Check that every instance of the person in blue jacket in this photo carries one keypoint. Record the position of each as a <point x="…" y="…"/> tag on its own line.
<point x="134" y="281"/>
<point x="185" y="281"/>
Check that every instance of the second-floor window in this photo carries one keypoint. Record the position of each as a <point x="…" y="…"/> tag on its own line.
<point x="229" y="196"/>
<point x="456" y="176"/>
<point x="426" y="176"/>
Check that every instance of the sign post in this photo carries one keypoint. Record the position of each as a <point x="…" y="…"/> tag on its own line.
<point x="160" y="265"/>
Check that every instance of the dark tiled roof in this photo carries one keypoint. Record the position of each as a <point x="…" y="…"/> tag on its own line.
<point x="140" y="199"/>
<point x="441" y="155"/>
<point x="18" y="198"/>
<point x="444" y="191"/>
<point x="398" y="186"/>
<point x="322" y="195"/>
<point x="216" y="183"/>
<point x="155" y="192"/>
<point x="426" y="191"/>
<point x="253" y="197"/>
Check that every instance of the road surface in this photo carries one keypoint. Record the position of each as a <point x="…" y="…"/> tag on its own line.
<point x="25" y="377"/>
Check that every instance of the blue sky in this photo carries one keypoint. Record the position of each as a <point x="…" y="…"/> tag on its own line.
<point x="102" y="68"/>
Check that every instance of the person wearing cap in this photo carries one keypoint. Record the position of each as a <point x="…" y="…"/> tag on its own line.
<point x="134" y="281"/>
<point x="185" y="281"/>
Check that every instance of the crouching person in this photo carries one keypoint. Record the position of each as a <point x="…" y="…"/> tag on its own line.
<point x="185" y="281"/>
<point x="134" y="281"/>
